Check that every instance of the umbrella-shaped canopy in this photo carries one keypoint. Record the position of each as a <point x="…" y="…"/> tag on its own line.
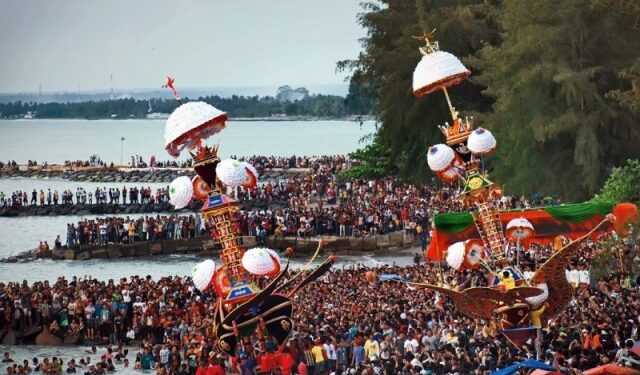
<point x="529" y="363"/>
<point x="189" y="124"/>
<point x="437" y="70"/>
<point x="481" y="142"/>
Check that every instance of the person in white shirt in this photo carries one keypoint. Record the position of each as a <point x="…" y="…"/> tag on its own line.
<point x="583" y="275"/>
<point x="411" y="346"/>
<point x="330" y="348"/>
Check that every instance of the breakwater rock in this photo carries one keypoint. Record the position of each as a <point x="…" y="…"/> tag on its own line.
<point x="124" y="175"/>
<point x="111" y="209"/>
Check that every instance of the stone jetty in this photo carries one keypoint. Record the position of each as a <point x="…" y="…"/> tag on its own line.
<point x="387" y="244"/>
<point x="111" y="209"/>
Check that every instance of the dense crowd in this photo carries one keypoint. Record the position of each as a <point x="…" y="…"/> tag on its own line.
<point x="314" y="203"/>
<point x="104" y="195"/>
<point x="343" y="322"/>
<point x="103" y="230"/>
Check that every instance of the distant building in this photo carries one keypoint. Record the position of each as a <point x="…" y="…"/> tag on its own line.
<point x="288" y="94"/>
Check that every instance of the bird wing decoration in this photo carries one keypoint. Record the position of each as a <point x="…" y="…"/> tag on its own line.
<point x="480" y="302"/>
<point x="553" y="273"/>
<point x="466" y="303"/>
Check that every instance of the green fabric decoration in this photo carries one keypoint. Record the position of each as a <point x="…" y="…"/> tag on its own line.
<point x="578" y="212"/>
<point x="457" y="222"/>
<point x="453" y="222"/>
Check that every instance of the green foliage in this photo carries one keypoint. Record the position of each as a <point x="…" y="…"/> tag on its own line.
<point x="557" y="130"/>
<point x="409" y="125"/>
<point x="331" y="106"/>
<point x="372" y="161"/>
<point x="557" y="81"/>
<point x="623" y="184"/>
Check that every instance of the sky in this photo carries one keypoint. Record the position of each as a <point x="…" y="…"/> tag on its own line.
<point x="69" y="45"/>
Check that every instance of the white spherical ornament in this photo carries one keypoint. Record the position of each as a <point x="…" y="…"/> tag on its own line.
<point x="519" y="229"/>
<point x="202" y="273"/>
<point x="474" y="253"/>
<point x="540" y="298"/>
<point x="440" y="157"/>
<point x="481" y="142"/>
<point x="456" y="254"/>
<point x="437" y="70"/>
<point x="234" y="173"/>
<point x="180" y="192"/>
<point x="259" y="261"/>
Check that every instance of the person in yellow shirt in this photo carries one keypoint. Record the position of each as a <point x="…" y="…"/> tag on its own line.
<point x="507" y="281"/>
<point x="371" y="348"/>
<point x="320" y="357"/>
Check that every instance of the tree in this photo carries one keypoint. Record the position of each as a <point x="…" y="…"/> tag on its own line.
<point x="371" y="161"/>
<point x="409" y="125"/>
<point x="360" y="99"/>
<point x="623" y="185"/>
<point x="558" y="130"/>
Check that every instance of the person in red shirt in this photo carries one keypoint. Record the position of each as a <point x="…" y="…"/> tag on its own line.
<point x="215" y="368"/>
<point x="302" y="368"/>
<point x="286" y="362"/>
<point x="202" y="369"/>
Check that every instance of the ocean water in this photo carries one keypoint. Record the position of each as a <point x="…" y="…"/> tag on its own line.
<point x="55" y="141"/>
<point x="10" y="185"/>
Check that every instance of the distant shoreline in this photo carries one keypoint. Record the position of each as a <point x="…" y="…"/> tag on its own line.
<point x="239" y="119"/>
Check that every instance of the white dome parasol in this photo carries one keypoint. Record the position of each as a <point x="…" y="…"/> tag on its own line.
<point x="180" y="192"/>
<point x="519" y="229"/>
<point x="437" y="70"/>
<point x="189" y="124"/>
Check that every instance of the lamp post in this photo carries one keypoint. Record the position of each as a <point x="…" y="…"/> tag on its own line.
<point x="121" y="148"/>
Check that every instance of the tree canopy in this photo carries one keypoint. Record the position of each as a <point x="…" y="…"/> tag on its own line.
<point x="557" y="81"/>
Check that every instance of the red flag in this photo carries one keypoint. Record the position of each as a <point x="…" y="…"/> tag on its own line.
<point x="169" y="85"/>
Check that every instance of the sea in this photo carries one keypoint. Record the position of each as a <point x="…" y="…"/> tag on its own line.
<point x="56" y="141"/>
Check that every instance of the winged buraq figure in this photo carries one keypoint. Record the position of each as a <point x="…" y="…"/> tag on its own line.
<point x="522" y="309"/>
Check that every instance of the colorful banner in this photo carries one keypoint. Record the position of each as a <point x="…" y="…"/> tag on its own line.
<point x="569" y="220"/>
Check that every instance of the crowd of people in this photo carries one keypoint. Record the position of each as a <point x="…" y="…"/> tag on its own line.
<point x="316" y="203"/>
<point x="118" y="229"/>
<point x="344" y="323"/>
<point x="104" y="195"/>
